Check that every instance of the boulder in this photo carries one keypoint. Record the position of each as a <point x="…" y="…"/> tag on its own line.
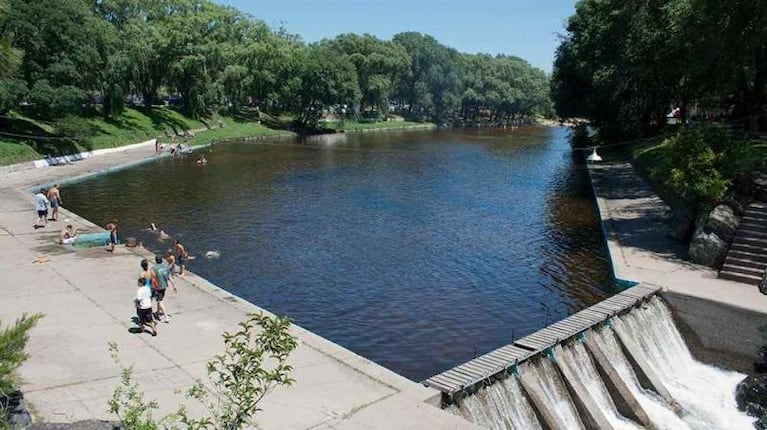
<point x="707" y="248"/>
<point x="681" y="225"/>
<point x="737" y="206"/>
<point x="751" y="396"/>
<point x="723" y="222"/>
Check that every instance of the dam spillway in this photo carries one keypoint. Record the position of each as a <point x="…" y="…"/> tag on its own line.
<point x="621" y="364"/>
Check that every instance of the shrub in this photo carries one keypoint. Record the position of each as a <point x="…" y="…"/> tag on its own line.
<point x="13" y="340"/>
<point x="254" y="362"/>
<point x="76" y="128"/>
<point x="56" y="101"/>
<point x="699" y="164"/>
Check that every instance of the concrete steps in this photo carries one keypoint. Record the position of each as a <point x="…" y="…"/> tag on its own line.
<point x="747" y="258"/>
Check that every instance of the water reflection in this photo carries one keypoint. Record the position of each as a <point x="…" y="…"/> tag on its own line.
<point x="416" y="250"/>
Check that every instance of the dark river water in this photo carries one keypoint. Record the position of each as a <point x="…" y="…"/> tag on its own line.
<point x="416" y="250"/>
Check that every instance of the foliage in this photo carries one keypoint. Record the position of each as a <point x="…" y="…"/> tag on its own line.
<point x="625" y="65"/>
<point x="699" y="164"/>
<point x="250" y="367"/>
<point x="74" y="127"/>
<point x="253" y="363"/>
<point x="127" y="400"/>
<point x="82" y="55"/>
<point x="13" y="340"/>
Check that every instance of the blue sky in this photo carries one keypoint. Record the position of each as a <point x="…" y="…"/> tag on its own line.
<point x="524" y="28"/>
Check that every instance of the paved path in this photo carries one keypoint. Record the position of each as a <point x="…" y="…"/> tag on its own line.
<point x="636" y="222"/>
<point x="87" y="299"/>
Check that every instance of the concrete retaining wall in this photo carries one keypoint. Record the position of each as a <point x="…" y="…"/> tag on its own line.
<point x="717" y="333"/>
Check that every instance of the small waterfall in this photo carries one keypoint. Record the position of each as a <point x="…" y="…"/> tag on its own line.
<point x="706" y="393"/>
<point x="661" y="415"/>
<point x="575" y="358"/>
<point x="684" y="394"/>
<point x="500" y="406"/>
<point x="544" y="376"/>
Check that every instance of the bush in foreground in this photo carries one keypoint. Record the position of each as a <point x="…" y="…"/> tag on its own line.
<point x="13" y="341"/>
<point x="253" y="363"/>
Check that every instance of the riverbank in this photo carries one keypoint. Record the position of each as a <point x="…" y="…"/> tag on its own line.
<point x="362" y="127"/>
<point x="720" y="318"/>
<point x="132" y="126"/>
<point x="86" y="296"/>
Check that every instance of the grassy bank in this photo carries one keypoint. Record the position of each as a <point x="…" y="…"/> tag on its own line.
<point x="352" y="126"/>
<point x="234" y="129"/>
<point x="42" y="138"/>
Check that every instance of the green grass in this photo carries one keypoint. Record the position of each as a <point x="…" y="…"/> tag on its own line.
<point x="234" y="129"/>
<point x="14" y="152"/>
<point x="132" y="126"/>
<point x="356" y="125"/>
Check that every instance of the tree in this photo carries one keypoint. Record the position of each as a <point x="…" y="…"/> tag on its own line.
<point x="13" y="341"/>
<point x="623" y="65"/>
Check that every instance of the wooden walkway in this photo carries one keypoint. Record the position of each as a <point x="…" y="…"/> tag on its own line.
<point x="501" y="360"/>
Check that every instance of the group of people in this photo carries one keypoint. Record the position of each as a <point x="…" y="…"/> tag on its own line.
<point x="152" y="284"/>
<point x="44" y="198"/>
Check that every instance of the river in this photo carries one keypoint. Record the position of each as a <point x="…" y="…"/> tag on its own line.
<point x="416" y="250"/>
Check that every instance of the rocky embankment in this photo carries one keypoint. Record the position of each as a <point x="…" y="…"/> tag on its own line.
<point x="710" y="234"/>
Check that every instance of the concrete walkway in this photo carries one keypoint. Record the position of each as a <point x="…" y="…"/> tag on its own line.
<point x="87" y="295"/>
<point x="720" y="316"/>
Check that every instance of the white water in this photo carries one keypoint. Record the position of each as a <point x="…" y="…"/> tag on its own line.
<point x="575" y="357"/>
<point x="554" y="391"/>
<point x="500" y="406"/>
<point x="705" y="392"/>
<point x="659" y="412"/>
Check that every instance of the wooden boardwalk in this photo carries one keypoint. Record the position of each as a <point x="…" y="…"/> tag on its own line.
<point x="501" y="360"/>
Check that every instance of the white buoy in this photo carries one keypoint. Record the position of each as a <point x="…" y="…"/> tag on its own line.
<point x="163" y="235"/>
<point x="153" y="226"/>
<point x="593" y="157"/>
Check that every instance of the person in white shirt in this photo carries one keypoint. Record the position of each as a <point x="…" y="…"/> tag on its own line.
<point x="143" y="302"/>
<point x="68" y="235"/>
<point x="41" y="204"/>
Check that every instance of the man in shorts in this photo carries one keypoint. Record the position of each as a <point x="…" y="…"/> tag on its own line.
<point x="41" y="205"/>
<point x="54" y="196"/>
<point x="163" y="278"/>
<point x="143" y="302"/>
<point x="181" y="256"/>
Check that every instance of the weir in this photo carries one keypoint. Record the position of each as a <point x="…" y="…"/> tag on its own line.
<point x="620" y="364"/>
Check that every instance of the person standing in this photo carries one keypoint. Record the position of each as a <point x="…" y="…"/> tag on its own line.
<point x="170" y="259"/>
<point x="162" y="273"/>
<point x="112" y="228"/>
<point x="54" y="196"/>
<point x="143" y="302"/>
<point x="181" y="256"/>
<point x="41" y="205"/>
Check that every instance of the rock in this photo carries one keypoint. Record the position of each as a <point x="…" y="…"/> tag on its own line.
<point x="707" y="248"/>
<point x="681" y="225"/>
<point x="751" y="396"/>
<point x="736" y="205"/>
<point x="723" y="222"/>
